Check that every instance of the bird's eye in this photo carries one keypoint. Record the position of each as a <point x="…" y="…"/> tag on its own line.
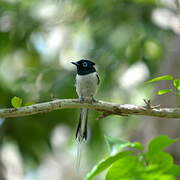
<point x="85" y="64"/>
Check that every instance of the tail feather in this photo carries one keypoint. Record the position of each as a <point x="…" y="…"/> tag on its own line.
<point x="81" y="133"/>
<point x="78" y="157"/>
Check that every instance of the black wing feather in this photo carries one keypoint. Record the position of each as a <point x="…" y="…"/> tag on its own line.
<point x="98" y="78"/>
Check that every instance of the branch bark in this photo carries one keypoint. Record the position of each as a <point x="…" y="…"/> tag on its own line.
<point x="103" y="106"/>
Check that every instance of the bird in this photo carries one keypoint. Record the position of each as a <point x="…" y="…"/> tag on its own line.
<point x="87" y="81"/>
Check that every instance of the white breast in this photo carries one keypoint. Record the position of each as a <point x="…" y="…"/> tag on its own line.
<point x="86" y="85"/>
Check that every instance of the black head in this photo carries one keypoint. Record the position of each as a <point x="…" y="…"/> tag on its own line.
<point x="84" y="67"/>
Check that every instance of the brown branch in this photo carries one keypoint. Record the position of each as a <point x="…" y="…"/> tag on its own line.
<point x="105" y="107"/>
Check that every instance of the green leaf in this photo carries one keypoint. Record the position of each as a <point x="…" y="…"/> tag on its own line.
<point x="119" y="145"/>
<point x="157" y="165"/>
<point x="174" y="170"/>
<point x="104" y="164"/>
<point x="159" y="143"/>
<point x="29" y="103"/>
<point x="176" y="83"/>
<point x="161" y="78"/>
<point x="163" y="160"/>
<point x="164" y="91"/>
<point x="16" y="102"/>
<point x="125" y="168"/>
<point x="159" y="162"/>
<point x="167" y="177"/>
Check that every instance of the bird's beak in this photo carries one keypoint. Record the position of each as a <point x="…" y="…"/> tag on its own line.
<point x="75" y="63"/>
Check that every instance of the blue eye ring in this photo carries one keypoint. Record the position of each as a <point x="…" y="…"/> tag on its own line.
<point x="84" y="64"/>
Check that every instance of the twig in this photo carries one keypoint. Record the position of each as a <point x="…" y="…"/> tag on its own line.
<point x="149" y="105"/>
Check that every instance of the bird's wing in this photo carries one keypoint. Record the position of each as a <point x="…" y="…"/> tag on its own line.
<point x="75" y="84"/>
<point x="98" y="78"/>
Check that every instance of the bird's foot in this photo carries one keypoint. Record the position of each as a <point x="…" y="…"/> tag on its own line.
<point x="94" y="100"/>
<point x="81" y="99"/>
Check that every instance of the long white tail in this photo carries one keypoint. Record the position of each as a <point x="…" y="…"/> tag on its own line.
<point x="81" y="133"/>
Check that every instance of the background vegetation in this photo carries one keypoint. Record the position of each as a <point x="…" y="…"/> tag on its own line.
<point x="130" y="41"/>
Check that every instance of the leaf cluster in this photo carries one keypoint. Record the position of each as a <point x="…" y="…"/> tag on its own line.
<point x="175" y="86"/>
<point x="135" y="164"/>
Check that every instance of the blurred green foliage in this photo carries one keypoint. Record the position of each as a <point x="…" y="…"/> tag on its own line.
<point x="115" y="34"/>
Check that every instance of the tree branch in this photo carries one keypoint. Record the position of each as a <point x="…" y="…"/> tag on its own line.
<point x="105" y="107"/>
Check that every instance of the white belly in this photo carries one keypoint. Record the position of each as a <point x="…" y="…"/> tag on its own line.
<point x="86" y="85"/>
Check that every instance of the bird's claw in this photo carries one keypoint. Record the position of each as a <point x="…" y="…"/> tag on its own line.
<point x="94" y="100"/>
<point x="81" y="99"/>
